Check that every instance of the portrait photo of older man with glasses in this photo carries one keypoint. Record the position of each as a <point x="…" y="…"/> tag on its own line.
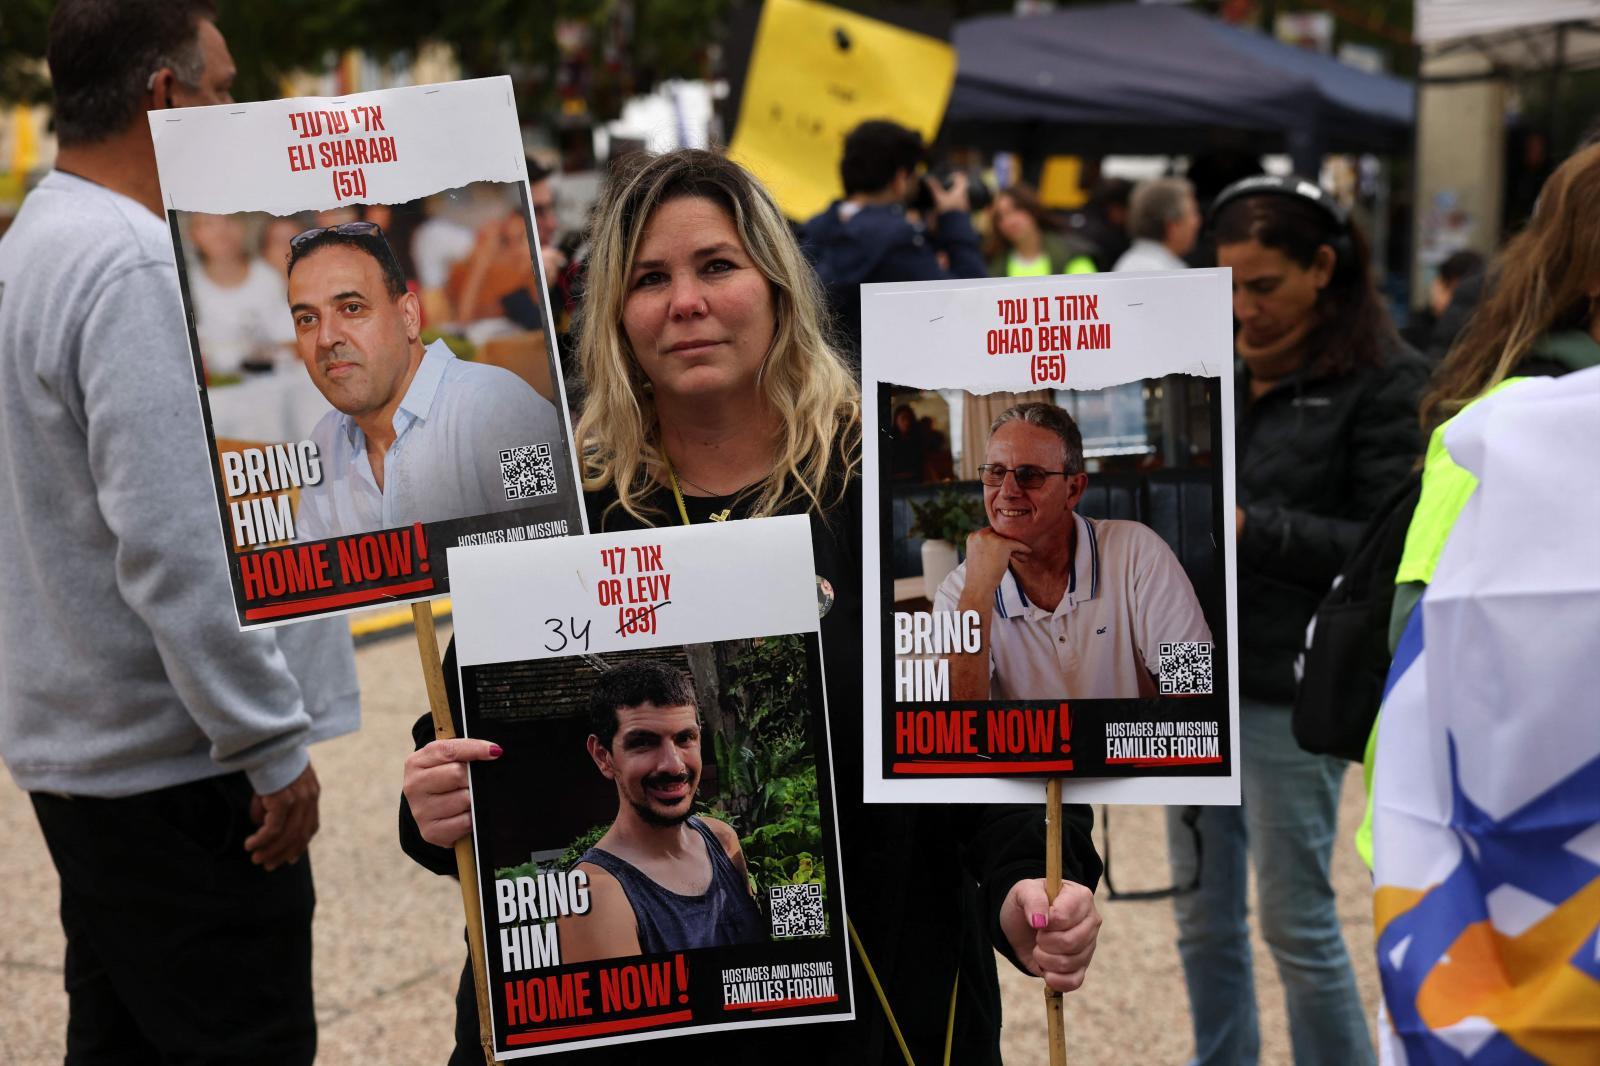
<point x="1068" y="606"/>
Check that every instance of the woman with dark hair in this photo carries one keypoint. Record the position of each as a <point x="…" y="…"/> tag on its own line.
<point x="1030" y="241"/>
<point x="1325" y="425"/>
<point x="712" y="393"/>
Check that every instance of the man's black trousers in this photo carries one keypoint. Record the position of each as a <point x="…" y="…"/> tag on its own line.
<point x="180" y="952"/>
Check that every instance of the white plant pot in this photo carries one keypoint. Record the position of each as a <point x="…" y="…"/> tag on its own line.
<point x="938" y="559"/>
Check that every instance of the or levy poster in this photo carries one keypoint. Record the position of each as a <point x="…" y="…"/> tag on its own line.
<point x="1049" y="500"/>
<point x="369" y="318"/>
<point x="817" y="72"/>
<point x="657" y="847"/>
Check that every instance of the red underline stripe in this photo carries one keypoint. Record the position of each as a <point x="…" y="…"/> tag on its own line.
<point x="620" y="1025"/>
<point x="984" y="768"/>
<point x="1172" y="760"/>
<point x="338" y="599"/>
<point x="782" y="1004"/>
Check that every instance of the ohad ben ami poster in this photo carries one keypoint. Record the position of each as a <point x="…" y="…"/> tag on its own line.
<point x="657" y="847"/>
<point x="1048" y="498"/>
<point x="371" y="328"/>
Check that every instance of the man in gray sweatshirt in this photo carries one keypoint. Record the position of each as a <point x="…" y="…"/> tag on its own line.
<point x="165" y="752"/>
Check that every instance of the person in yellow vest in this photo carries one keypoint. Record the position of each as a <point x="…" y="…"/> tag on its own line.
<point x="1541" y="317"/>
<point x="1481" y="793"/>
<point x="1029" y="239"/>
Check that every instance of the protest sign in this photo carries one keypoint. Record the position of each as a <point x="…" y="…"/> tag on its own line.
<point x="656" y="844"/>
<point x="1056" y="597"/>
<point x="370" y="329"/>
<point x="817" y="72"/>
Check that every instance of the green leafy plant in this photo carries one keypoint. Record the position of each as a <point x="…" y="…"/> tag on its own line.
<point x="575" y="850"/>
<point x="949" y="516"/>
<point x="767" y="773"/>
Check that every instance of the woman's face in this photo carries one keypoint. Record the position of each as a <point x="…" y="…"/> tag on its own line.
<point x="1012" y="221"/>
<point x="698" y="313"/>
<point x="1272" y="294"/>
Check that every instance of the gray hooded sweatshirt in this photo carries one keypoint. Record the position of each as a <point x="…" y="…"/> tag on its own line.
<point x="122" y="668"/>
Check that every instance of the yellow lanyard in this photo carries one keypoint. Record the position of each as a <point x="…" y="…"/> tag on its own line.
<point x="855" y="938"/>
<point x="677" y="496"/>
<point x="888" y="1012"/>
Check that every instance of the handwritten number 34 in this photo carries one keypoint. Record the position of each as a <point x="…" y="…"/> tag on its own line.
<point x="558" y="633"/>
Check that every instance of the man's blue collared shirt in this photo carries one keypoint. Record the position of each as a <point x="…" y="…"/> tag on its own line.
<point x="450" y="429"/>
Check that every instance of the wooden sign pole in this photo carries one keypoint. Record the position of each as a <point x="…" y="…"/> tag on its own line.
<point x="466" y="862"/>
<point x="1054" y="1017"/>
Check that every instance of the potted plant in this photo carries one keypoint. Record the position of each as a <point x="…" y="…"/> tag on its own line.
<point x="944" y="523"/>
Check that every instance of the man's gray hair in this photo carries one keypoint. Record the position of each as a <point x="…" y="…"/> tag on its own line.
<point x="1157" y="202"/>
<point x="1048" y="416"/>
<point x="188" y="63"/>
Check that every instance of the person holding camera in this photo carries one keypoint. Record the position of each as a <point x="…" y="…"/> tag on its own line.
<point x="868" y="236"/>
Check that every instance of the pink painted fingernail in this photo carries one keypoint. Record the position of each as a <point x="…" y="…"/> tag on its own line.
<point x="1037" y="920"/>
<point x="495" y="751"/>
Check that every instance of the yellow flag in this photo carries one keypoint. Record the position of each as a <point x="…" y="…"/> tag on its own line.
<point x="816" y="72"/>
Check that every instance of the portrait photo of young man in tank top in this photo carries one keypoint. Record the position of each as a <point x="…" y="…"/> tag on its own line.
<point x="661" y="878"/>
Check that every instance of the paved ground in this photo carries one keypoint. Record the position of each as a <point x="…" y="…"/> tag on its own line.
<point x="389" y="948"/>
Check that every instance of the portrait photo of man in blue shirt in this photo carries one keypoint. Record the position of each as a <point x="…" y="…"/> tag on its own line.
<point x="415" y="434"/>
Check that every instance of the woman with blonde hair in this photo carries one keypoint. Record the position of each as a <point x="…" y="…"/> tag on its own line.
<point x="712" y="394"/>
<point x="705" y="368"/>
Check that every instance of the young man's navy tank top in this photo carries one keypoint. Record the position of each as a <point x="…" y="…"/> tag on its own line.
<point x="724" y="914"/>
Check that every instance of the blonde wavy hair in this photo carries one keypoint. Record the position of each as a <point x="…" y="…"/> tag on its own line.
<point x="802" y="378"/>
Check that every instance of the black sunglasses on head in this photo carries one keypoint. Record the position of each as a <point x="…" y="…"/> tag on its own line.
<point x="343" y="229"/>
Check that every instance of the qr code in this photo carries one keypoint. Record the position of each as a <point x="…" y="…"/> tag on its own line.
<point x="797" y="910"/>
<point x="1186" y="668"/>
<point x="527" y="471"/>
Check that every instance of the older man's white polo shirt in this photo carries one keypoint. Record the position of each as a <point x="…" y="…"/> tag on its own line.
<point x="1126" y="594"/>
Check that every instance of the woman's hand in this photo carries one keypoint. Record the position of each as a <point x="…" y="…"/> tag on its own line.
<point x="435" y="787"/>
<point x="1054" y="941"/>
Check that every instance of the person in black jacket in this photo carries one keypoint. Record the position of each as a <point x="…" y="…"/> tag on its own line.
<point x="866" y="237"/>
<point x="1326" y="428"/>
<point x="712" y="395"/>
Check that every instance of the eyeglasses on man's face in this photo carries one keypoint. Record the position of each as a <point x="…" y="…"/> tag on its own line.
<point x="1028" y="477"/>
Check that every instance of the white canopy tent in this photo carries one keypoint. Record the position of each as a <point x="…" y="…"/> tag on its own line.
<point x="1520" y="37"/>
